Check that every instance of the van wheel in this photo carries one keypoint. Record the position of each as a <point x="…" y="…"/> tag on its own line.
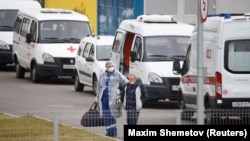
<point x="35" y="77"/>
<point x="78" y="86"/>
<point x="181" y="102"/>
<point x="95" y="82"/>
<point x="186" y="114"/>
<point x="20" y="71"/>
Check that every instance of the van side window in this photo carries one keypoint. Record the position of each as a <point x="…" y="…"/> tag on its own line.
<point x="18" y="23"/>
<point x="117" y="42"/>
<point x="237" y="56"/>
<point x="138" y="48"/>
<point x="86" y="50"/>
<point x="92" y="51"/>
<point x="33" y="30"/>
<point x="25" y="27"/>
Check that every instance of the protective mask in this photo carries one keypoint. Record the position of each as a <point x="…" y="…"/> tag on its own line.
<point x="110" y="69"/>
<point x="131" y="83"/>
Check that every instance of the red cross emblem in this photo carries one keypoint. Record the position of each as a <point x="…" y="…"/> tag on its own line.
<point x="71" y="49"/>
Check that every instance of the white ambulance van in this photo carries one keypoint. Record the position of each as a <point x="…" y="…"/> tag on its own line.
<point x="226" y="60"/>
<point x="8" y="11"/>
<point x="147" y="46"/>
<point x="45" y="42"/>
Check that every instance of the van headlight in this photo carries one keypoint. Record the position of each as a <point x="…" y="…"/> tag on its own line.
<point x="4" y="45"/>
<point x="153" y="77"/>
<point x="48" y="58"/>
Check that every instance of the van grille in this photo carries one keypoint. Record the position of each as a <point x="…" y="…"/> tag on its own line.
<point x="65" y="61"/>
<point x="170" y="81"/>
<point x="70" y="61"/>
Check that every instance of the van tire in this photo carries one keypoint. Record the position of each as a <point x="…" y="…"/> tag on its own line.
<point x="186" y="114"/>
<point x="181" y="102"/>
<point x="95" y="82"/>
<point x="78" y="86"/>
<point x="20" y="71"/>
<point x="34" y="76"/>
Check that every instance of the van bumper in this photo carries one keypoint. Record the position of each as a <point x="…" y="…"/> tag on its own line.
<point x="163" y="90"/>
<point x="5" y="57"/>
<point x="53" y="70"/>
<point x="229" y="107"/>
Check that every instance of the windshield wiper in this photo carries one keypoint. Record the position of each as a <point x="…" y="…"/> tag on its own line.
<point x="5" y="27"/>
<point x="51" y="38"/>
<point x="158" y="55"/>
<point x="178" y="56"/>
<point x="71" y="40"/>
<point x="103" y="59"/>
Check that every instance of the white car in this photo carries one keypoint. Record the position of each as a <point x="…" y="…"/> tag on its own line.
<point x="91" y="56"/>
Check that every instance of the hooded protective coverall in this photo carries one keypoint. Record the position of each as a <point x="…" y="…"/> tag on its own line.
<point x="107" y="92"/>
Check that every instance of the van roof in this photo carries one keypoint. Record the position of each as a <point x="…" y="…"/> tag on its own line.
<point x="54" y="14"/>
<point x="214" y="22"/>
<point x="100" y="39"/>
<point x="19" y="4"/>
<point x="149" y="27"/>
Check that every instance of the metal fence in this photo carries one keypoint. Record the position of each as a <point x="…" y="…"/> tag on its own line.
<point x="62" y="126"/>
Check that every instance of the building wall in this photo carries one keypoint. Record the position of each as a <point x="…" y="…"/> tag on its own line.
<point x="112" y="12"/>
<point x="181" y="10"/>
<point x="186" y="10"/>
<point x="232" y="6"/>
<point x="106" y="15"/>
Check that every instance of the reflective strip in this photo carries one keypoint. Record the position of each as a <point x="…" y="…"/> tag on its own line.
<point x="193" y="79"/>
<point x="110" y="126"/>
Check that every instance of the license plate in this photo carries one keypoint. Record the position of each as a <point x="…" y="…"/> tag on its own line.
<point x="175" y="88"/>
<point x="240" y="104"/>
<point x="68" y="66"/>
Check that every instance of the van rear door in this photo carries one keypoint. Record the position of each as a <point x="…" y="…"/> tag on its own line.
<point x="236" y="70"/>
<point x="117" y="50"/>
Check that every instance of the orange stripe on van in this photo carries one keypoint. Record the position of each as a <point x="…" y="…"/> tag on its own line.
<point x="193" y="79"/>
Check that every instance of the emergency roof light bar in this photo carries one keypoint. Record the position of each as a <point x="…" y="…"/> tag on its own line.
<point x="247" y="14"/>
<point x="156" y="18"/>
<point x="228" y="15"/>
<point x="60" y="11"/>
<point x="94" y="36"/>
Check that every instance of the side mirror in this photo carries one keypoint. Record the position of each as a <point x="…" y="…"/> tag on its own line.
<point x="29" y="38"/>
<point x="133" y="56"/>
<point x="176" y="67"/>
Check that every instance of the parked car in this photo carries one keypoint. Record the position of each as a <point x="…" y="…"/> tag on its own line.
<point x="91" y="56"/>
